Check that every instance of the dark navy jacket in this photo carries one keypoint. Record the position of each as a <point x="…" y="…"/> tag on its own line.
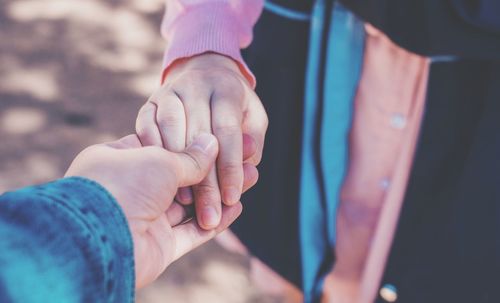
<point x="447" y="246"/>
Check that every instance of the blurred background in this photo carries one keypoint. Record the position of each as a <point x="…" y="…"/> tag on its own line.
<point x="74" y="73"/>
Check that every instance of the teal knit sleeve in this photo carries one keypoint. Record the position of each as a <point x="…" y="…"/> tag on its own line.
<point x="65" y="241"/>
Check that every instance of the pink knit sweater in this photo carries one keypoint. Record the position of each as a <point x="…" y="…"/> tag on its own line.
<point x="194" y="27"/>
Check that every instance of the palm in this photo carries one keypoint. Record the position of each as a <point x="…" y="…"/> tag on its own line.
<point x="144" y="181"/>
<point x="155" y="246"/>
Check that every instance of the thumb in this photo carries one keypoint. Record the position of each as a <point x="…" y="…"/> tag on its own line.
<point x="130" y="141"/>
<point x="195" y="161"/>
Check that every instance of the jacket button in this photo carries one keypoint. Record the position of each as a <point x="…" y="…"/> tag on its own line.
<point x="389" y="293"/>
<point x="398" y="121"/>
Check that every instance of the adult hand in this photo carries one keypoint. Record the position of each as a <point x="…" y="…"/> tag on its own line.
<point x="144" y="181"/>
<point x="207" y="94"/>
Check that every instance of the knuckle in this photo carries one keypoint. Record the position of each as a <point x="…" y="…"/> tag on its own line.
<point x="146" y="112"/>
<point x="160" y="93"/>
<point x="145" y="117"/>
<point x="147" y="108"/>
<point x="233" y="94"/>
<point x="260" y="130"/>
<point x="145" y="133"/>
<point x="206" y="192"/>
<point x="263" y="119"/>
<point x="168" y="119"/>
<point x="231" y="82"/>
<point x="226" y="126"/>
<point x="196" y="161"/>
<point x="231" y="171"/>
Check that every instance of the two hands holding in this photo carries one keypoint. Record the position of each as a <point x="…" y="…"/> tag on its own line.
<point x="207" y="105"/>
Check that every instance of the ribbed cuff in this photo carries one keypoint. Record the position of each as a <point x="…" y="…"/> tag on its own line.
<point x="206" y="28"/>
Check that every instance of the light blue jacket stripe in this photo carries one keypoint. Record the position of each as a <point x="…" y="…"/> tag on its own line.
<point x="345" y="52"/>
<point x="313" y="239"/>
<point x="286" y="12"/>
<point x="344" y="57"/>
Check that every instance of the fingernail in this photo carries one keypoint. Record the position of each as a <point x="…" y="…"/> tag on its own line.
<point x="185" y="194"/>
<point x="205" y="142"/>
<point x="232" y="195"/>
<point x="210" y="217"/>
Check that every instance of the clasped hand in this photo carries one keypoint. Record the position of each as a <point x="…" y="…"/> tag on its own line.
<point x="208" y="94"/>
<point x="207" y="105"/>
<point x="144" y="182"/>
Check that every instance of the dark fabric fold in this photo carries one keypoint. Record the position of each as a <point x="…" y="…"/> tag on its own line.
<point x="436" y="27"/>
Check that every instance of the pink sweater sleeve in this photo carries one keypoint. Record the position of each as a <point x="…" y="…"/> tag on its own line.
<point x="193" y="27"/>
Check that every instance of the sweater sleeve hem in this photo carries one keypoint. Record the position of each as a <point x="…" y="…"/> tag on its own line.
<point x="206" y="28"/>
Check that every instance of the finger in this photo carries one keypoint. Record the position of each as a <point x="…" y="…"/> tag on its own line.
<point x="198" y="157"/>
<point x="130" y="141"/>
<point x="255" y="124"/>
<point x="192" y="165"/>
<point x="249" y="147"/>
<point x="190" y="235"/>
<point x="227" y="115"/>
<point x="177" y="214"/>
<point x="185" y="196"/>
<point x="146" y="127"/>
<point x="206" y="194"/>
<point x="183" y="213"/>
<point x="251" y="176"/>
<point x="171" y="120"/>
<point x="208" y="202"/>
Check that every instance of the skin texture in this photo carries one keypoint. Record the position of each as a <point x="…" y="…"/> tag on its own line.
<point x="340" y="289"/>
<point x="207" y="94"/>
<point x="144" y="181"/>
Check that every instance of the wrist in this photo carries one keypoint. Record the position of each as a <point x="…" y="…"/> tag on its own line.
<point x="207" y="61"/>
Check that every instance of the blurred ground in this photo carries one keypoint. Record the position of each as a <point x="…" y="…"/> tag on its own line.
<point x="74" y="73"/>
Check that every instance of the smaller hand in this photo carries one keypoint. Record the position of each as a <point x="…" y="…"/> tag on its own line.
<point x="144" y="181"/>
<point x="208" y="93"/>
